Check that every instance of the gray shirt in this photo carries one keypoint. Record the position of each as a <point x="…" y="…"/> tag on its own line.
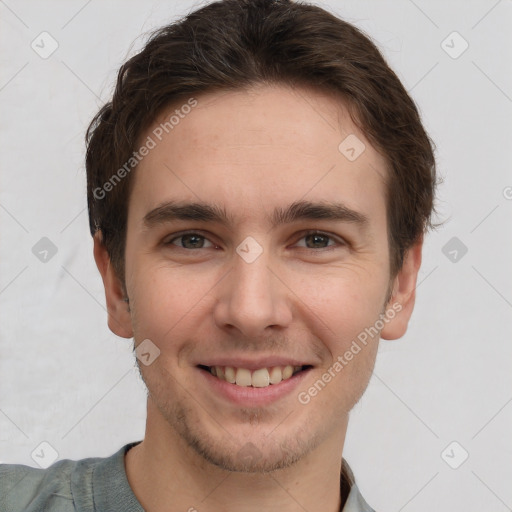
<point x="96" y="485"/>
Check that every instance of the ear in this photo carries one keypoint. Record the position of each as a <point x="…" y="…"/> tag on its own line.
<point x="404" y="294"/>
<point x="119" y="318"/>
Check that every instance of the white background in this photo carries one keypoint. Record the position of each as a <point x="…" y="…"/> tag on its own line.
<point x="66" y="379"/>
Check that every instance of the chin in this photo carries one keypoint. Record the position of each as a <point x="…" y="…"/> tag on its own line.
<point x="248" y="448"/>
<point x="253" y="456"/>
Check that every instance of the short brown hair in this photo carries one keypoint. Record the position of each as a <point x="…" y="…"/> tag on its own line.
<point x="233" y="44"/>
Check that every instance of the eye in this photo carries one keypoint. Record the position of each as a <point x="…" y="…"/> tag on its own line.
<point x="313" y="240"/>
<point x="320" y="240"/>
<point x="190" y="240"/>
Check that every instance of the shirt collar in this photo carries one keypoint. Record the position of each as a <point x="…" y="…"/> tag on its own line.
<point x="355" y="501"/>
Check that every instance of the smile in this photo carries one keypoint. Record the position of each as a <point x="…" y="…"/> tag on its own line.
<point x="244" y="390"/>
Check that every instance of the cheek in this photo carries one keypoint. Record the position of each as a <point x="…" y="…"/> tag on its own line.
<point x="169" y="302"/>
<point x="345" y="301"/>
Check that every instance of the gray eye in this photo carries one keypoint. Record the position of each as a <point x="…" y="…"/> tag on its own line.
<point x="190" y="241"/>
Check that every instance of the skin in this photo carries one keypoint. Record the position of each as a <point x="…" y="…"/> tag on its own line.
<point x="250" y="151"/>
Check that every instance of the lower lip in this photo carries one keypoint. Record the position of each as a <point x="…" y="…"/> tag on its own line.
<point x="249" y="396"/>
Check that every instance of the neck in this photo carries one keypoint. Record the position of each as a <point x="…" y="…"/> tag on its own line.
<point x="166" y="474"/>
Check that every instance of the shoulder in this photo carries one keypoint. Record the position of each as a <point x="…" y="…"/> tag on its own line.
<point x="65" y="486"/>
<point x="23" y="488"/>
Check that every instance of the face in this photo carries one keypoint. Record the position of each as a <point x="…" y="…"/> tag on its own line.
<point x="283" y="262"/>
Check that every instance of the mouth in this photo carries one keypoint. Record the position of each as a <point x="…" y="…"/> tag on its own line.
<point x="259" y="378"/>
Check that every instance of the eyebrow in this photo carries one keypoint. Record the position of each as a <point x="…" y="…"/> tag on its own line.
<point x="299" y="210"/>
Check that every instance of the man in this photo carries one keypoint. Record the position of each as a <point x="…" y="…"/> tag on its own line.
<point x="258" y="189"/>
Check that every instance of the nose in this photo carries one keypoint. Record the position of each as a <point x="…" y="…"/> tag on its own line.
<point x="253" y="298"/>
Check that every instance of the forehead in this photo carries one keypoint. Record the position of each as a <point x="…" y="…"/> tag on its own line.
<point x="254" y="150"/>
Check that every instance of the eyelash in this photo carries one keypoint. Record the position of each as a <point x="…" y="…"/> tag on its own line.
<point x="340" y="242"/>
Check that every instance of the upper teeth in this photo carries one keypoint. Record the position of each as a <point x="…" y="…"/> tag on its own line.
<point x="258" y="378"/>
